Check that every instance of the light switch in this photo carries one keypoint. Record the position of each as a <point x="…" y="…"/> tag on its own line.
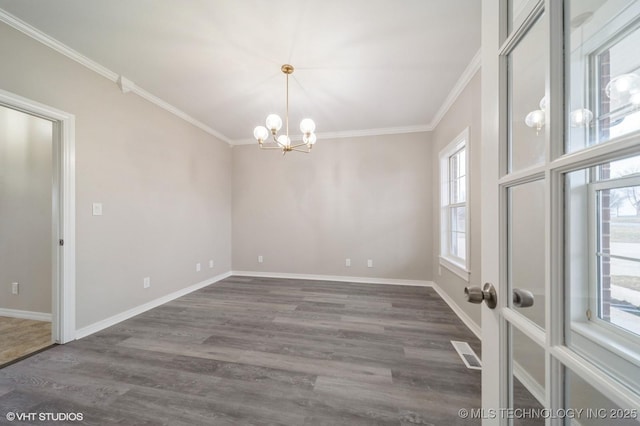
<point x="97" y="209"/>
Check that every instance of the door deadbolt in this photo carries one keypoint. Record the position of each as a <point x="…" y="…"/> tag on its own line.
<point x="475" y="294"/>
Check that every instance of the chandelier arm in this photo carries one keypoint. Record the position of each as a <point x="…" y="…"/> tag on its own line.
<point x="300" y="150"/>
<point x="300" y="144"/>
<point x="270" y="147"/>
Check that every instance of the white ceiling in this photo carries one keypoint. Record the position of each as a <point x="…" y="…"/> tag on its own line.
<point x="361" y="65"/>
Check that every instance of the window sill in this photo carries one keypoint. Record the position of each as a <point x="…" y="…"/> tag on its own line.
<point x="616" y="357"/>
<point x="456" y="268"/>
<point x="600" y="336"/>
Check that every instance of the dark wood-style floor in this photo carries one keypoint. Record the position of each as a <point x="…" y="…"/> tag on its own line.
<point x="258" y="351"/>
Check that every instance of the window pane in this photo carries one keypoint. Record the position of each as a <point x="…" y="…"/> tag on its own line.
<point x="458" y="232"/>
<point x="526" y="246"/>
<point x="603" y="62"/>
<point x="526" y="67"/>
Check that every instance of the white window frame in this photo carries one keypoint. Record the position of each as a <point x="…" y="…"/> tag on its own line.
<point x="622" y="337"/>
<point x="454" y="264"/>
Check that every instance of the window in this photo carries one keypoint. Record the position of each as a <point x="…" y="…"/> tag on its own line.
<point x="454" y="235"/>
<point x="615" y="293"/>
<point x="602" y="248"/>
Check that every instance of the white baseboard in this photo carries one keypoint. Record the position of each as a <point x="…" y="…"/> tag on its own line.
<point x="466" y="319"/>
<point x="108" y="322"/>
<point x="363" y="280"/>
<point x="15" y="313"/>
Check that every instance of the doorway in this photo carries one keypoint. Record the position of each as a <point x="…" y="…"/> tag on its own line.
<point x="26" y="233"/>
<point x="37" y="226"/>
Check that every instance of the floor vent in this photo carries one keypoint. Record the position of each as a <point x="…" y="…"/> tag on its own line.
<point x="467" y="354"/>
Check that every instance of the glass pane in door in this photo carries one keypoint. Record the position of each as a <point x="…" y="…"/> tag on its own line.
<point x="527" y="379"/>
<point x="603" y="70"/>
<point x="526" y="248"/>
<point x="527" y="104"/>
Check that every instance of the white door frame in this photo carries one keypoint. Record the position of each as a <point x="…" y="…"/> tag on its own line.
<point x="63" y="212"/>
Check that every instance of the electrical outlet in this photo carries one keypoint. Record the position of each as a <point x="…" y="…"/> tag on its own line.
<point x="97" y="209"/>
<point x="370" y="263"/>
<point x="260" y="259"/>
<point x="211" y="264"/>
<point x="146" y="282"/>
<point x="15" y="289"/>
<point x="347" y="262"/>
<point x="198" y="267"/>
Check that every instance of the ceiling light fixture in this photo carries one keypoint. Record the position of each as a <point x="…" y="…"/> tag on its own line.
<point x="274" y="123"/>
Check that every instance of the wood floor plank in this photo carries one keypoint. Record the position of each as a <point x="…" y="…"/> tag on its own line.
<point x="21" y="337"/>
<point x="262" y="351"/>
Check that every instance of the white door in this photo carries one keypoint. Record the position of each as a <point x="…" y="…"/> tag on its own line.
<point x="561" y="211"/>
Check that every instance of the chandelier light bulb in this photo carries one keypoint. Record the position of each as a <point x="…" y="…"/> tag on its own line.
<point x="543" y="103"/>
<point x="260" y="133"/>
<point x="310" y="140"/>
<point x="307" y="126"/>
<point x="284" y="140"/>
<point x="580" y="117"/>
<point x="622" y="87"/>
<point x="535" y="119"/>
<point x="274" y="122"/>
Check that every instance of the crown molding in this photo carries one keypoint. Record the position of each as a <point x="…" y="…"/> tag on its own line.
<point x="353" y="133"/>
<point x="125" y="84"/>
<point x="465" y="78"/>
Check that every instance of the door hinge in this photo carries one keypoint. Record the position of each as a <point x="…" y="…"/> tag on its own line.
<point x="61" y="242"/>
<point x="588" y="314"/>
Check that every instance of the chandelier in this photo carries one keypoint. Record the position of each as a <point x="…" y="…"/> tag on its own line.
<point x="274" y="124"/>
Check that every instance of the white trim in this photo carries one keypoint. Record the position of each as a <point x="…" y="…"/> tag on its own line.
<point x="455" y="268"/>
<point x="64" y="282"/>
<point x="466" y="319"/>
<point x="362" y="280"/>
<point x="16" y="313"/>
<point x="461" y="84"/>
<point x="353" y="133"/>
<point x="70" y="53"/>
<point x="122" y="316"/>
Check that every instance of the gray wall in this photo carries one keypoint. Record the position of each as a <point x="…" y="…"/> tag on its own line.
<point x="358" y="198"/>
<point x="465" y="112"/>
<point x="25" y="211"/>
<point x="165" y="185"/>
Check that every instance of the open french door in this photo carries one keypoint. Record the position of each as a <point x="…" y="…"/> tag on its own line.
<point x="561" y="212"/>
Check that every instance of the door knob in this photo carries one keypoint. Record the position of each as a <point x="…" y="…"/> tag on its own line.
<point x="522" y="298"/>
<point x="475" y="294"/>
